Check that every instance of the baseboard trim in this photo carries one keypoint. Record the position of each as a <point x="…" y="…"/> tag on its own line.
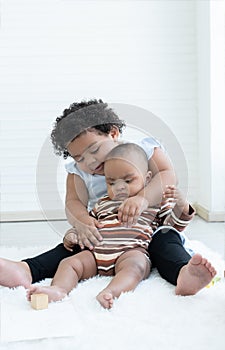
<point x="49" y="215"/>
<point x="52" y="215"/>
<point x="211" y="216"/>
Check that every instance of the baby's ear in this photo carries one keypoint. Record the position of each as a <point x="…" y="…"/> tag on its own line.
<point x="148" y="178"/>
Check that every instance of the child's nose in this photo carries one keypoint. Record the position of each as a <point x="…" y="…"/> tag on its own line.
<point x="90" y="159"/>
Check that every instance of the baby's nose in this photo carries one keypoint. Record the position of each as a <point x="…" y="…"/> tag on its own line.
<point x="120" y="185"/>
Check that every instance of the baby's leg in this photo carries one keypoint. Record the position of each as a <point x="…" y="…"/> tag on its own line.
<point x="14" y="273"/>
<point x="70" y="271"/>
<point x="131" y="267"/>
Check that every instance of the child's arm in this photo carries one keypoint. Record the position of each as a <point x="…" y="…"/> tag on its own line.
<point x="77" y="214"/>
<point x="181" y="213"/>
<point x="182" y="205"/>
<point x="162" y="175"/>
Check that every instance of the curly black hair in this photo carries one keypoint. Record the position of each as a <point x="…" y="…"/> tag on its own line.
<point x="78" y="118"/>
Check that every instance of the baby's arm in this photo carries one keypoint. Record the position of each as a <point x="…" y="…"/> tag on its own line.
<point x="77" y="214"/>
<point x="182" y="212"/>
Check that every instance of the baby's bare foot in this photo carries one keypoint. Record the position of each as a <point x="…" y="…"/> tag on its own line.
<point x="54" y="293"/>
<point x="105" y="298"/>
<point x="194" y="276"/>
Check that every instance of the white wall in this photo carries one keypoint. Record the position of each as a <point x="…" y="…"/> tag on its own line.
<point x="211" y="109"/>
<point x="52" y="53"/>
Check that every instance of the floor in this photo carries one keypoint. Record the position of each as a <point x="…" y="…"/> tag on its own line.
<point x="24" y="234"/>
<point x="34" y="234"/>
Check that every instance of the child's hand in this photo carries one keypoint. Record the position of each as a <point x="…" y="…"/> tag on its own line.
<point x="173" y="193"/>
<point x="130" y="210"/>
<point x="87" y="232"/>
<point x="70" y="239"/>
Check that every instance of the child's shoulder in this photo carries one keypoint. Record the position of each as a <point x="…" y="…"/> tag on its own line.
<point x="148" y="144"/>
<point x="72" y="168"/>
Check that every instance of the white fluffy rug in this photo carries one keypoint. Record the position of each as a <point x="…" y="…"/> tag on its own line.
<point x="152" y="317"/>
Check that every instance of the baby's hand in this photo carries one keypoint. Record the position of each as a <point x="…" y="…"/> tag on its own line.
<point x="130" y="210"/>
<point x="174" y="194"/>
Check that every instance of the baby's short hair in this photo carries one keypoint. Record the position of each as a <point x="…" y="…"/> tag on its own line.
<point x="129" y="151"/>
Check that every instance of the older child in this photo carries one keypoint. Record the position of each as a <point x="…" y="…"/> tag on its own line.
<point x="124" y="250"/>
<point x="87" y="131"/>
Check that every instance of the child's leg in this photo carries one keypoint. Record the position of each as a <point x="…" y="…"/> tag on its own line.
<point x="189" y="274"/>
<point x="14" y="273"/>
<point x="69" y="273"/>
<point x="45" y="265"/>
<point x="131" y="267"/>
<point x="194" y="276"/>
<point x="35" y="269"/>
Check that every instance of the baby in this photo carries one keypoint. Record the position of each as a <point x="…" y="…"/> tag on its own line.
<point x="123" y="252"/>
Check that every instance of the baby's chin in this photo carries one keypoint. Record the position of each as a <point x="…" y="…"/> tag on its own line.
<point x="120" y="197"/>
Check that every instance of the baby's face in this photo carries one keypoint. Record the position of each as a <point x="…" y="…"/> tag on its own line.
<point x="123" y="179"/>
<point x="89" y="150"/>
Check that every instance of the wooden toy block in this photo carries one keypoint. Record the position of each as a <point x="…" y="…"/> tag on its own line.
<point x="39" y="301"/>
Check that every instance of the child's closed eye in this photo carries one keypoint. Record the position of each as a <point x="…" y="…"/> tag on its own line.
<point x="94" y="150"/>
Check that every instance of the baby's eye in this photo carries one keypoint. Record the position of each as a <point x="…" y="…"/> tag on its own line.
<point x="110" y="183"/>
<point x="128" y="181"/>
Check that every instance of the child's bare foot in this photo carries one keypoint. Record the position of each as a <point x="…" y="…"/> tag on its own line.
<point x="54" y="293"/>
<point x="14" y="273"/>
<point x="105" y="298"/>
<point x="194" y="276"/>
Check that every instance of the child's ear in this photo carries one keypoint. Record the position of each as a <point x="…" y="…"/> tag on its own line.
<point x="148" y="178"/>
<point x="114" y="132"/>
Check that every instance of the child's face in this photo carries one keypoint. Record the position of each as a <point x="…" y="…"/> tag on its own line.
<point x="89" y="150"/>
<point x="123" y="179"/>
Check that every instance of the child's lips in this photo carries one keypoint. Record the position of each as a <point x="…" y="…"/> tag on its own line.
<point x="99" y="168"/>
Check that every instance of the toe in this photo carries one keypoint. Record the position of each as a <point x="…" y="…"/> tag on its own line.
<point x="196" y="259"/>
